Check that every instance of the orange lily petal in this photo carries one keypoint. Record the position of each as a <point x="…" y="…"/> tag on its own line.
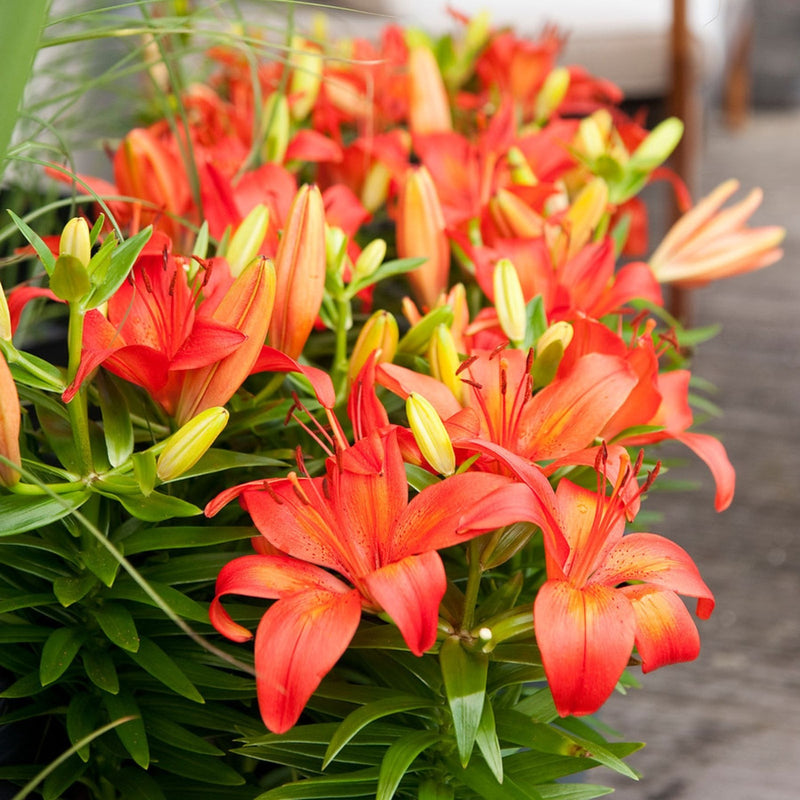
<point x="410" y="591"/>
<point x="712" y="451"/>
<point x="586" y="637"/>
<point x="665" y="630"/>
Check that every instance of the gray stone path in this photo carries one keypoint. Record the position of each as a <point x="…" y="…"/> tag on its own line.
<point x="727" y="727"/>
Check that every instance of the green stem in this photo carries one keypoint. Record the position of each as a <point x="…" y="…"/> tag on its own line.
<point x="473" y="583"/>
<point x="78" y="407"/>
<point x="46" y="488"/>
<point x="340" y="363"/>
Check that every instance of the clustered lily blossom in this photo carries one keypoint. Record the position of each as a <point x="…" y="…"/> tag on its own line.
<point x="536" y="377"/>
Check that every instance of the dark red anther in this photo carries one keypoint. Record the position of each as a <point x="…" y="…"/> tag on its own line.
<point x="466" y="364"/>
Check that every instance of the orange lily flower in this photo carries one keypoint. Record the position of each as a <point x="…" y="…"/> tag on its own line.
<point x="608" y="593"/>
<point x="706" y="244"/>
<point x="356" y="521"/>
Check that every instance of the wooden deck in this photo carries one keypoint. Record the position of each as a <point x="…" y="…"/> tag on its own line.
<point x="727" y="727"/>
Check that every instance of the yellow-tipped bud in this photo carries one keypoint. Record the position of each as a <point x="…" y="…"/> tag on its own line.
<point x="550" y="349"/>
<point x="5" y="317"/>
<point x="658" y="145"/>
<point x="513" y="217"/>
<point x="521" y="172"/>
<point x="375" y="188"/>
<point x="380" y="332"/>
<point x="246" y="242"/>
<point x="275" y="124"/>
<point x="585" y="214"/>
<point x="591" y="138"/>
<point x="190" y="442"/>
<point x="430" y="434"/>
<point x="551" y="94"/>
<point x="509" y="301"/>
<point x="306" y="62"/>
<point x="444" y="360"/>
<point x="370" y="258"/>
<point x="76" y="241"/>
<point x="335" y="248"/>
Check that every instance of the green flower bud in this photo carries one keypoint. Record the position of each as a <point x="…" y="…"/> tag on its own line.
<point x="190" y="442"/>
<point x="509" y="300"/>
<point x="430" y="434"/>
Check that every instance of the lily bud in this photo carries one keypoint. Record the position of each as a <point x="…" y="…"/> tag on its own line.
<point x="550" y="349"/>
<point x="190" y="442"/>
<point x="9" y="426"/>
<point x="370" y="258"/>
<point x="375" y="188"/>
<point x="246" y="242"/>
<point x="582" y="217"/>
<point x="275" y="126"/>
<point x="76" y="241"/>
<point x="513" y="217"/>
<point x="247" y="306"/>
<point x="658" y="145"/>
<point x="380" y="332"/>
<point x="430" y="434"/>
<point x="5" y="317"/>
<point x="429" y="107"/>
<point x="551" y="94"/>
<point x="300" y="269"/>
<point x="421" y="233"/>
<point x="509" y="301"/>
<point x="521" y="172"/>
<point x="306" y="62"/>
<point x="444" y="360"/>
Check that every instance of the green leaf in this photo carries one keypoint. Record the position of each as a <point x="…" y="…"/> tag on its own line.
<point x="573" y="791"/>
<point x="122" y="260"/>
<point x="134" y="784"/>
<point x="62" y="777"/>
<point x="388" y="269"/>
<point x="117" y="624"/>
<point x="197" y="767"/>
<point x="58" y="653"/>
<point x="198" y="567"/>
<point x="100" y="669"/>
<point x="399" y="758"/>
<point x="42" y="250"/>
<point x="99" y="560"/>
<point x="25" y="601"/>
<point x="165" y="730"/>
<point x="167" y="538"/>
<point x="157" y="507"/>
<point x="183" y="606"/>
<point x="19" y="43"/>
<point x="537" y="321"/>
<point x="151" y="658"/>
<point x="464" y="676"/>
<point x="418" y="337"/>
<point x="117" y="426"/>
<point x="145" y="471"/>
<point x="26" y="686"/>
<point x="82" y="719"/>
<point x="216" y="460"/>
<point x="348" y="784"/>
<point x="30" y="370"/>
<point x="488" y="743"/>
<point x="132" y="734"/>
<point x="420" y="478"/>
<point x="22" y="513"/>
<point x="361" y="717"/>
<point x="479" y="778"/>
<point x="70" y="590"/>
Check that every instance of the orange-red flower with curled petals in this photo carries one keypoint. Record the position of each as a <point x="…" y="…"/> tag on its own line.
<point x="356" y="521"/>
<point x="609" y="593"/>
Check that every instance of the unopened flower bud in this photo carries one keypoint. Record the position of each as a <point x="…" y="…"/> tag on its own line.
<point x="380" y="332"/>
<point x="514" y="218"/>
<point x="375" y="188"/>
<point x="430" y="434"/>
<point x="593" y="132"/>
<point x="335" y="248"/>
<point x="521" y="172"/>
<point x="370" y="258"/>
<point x="190" y="442"/>
<point x="305" y="59"/>
<point x="275" y="123"/>
<point x="551" y="94"/>
<point x="246" y="242"/>
<point x="9" y="426"/>
<point x="76" y="241"/>
<point x="550" y="349"/>
<point x="429" y="107"/>
<point x="5" y="317"/>
<point x="444" y="360"/>
<point x="657" y="146"/>
<point x="509" y="300"/>
<point x="584" y="215"/>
